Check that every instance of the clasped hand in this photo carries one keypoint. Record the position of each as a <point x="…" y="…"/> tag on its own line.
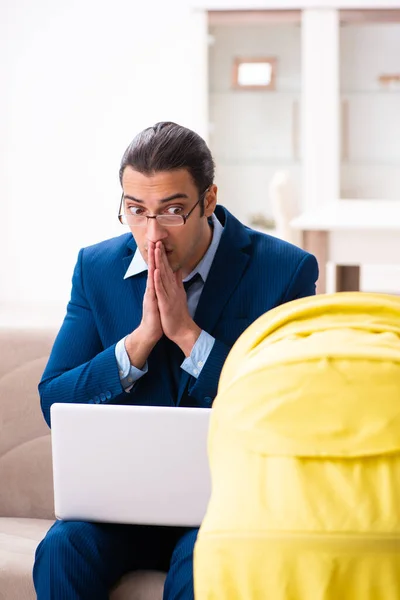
<point x="165" y="307"/>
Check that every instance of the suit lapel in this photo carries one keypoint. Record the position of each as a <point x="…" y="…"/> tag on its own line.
<point x="225" y="274"/>
<point x="135" y="287"/>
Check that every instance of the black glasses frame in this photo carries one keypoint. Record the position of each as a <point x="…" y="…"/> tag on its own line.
<point x="184" y="217"/>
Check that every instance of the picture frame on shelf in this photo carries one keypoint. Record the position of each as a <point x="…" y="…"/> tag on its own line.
<point x="254" y="73"/>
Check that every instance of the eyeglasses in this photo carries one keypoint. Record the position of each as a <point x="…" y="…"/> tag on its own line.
<point x="135" y="220"/>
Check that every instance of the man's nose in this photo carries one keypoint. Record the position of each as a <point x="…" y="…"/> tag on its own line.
<point x="155" y="232"/>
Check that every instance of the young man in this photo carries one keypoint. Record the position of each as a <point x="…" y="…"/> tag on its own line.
<point x="152" y="317"/>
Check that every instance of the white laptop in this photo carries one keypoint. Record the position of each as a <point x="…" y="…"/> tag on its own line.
<point x="130" y="464"/>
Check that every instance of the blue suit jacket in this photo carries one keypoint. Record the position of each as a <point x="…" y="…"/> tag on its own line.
<point x="251" y="273"/>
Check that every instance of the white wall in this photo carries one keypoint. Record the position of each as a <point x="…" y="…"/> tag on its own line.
<point x="82" y="78"/>
<point x="79" y="80"/>
<point x="251" y="131"/>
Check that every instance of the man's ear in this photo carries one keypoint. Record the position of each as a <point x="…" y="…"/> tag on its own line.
<point x="210" y="201"/>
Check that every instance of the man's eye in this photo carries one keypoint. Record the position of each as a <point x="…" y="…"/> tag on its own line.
<point x="174" y="210"/>
<point x="135" y="210"/>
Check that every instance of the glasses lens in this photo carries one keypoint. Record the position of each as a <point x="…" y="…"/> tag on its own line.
<point x="170" y="220"/>
<point x="141" y="221"/>
<point x="135" y="220"/>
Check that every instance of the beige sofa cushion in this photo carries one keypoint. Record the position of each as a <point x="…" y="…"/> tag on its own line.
<point x="21" y="343"/>
<point x="18" y="541"/>
<point x="142" y="585"/>
<point x="25" y="452"/>
<point x="27" y="473"/>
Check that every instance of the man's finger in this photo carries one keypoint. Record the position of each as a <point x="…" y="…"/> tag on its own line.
<point x="150" y="257"/>
<point x="159" y="286"/>
<point x="178" y="277"/>
<point x="166" y="274"/>
<point x="164" y="259"/>
<point x="150" y="267"/>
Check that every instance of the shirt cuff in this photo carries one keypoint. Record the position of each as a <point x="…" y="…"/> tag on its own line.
<point x="128" y="374"/>
<point x="194" y="363"/>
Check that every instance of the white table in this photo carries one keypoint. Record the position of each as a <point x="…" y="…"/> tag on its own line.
<point x="350" y="234"/>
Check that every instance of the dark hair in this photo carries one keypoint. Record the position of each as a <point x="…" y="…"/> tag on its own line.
<point x="167" y="147"/>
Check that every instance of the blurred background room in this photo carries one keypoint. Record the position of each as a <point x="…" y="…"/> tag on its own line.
<point x="299" y="102"/>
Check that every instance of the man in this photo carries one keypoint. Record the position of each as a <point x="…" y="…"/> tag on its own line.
<point x="134" y="335"/>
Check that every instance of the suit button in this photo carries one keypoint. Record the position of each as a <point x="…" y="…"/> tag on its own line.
<point x="208" y="400"/>
<point x="103" y="397"/>
<point x="96" y="399"/>
<point x="108" y="395"/>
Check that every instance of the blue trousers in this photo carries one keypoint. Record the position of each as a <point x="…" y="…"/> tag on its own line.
<point x="83" y="561"/>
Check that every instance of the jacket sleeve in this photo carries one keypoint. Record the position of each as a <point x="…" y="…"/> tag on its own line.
<point x="79" y="369"/>
<point x="205" y="387"/>
<point x="303" y="282"/>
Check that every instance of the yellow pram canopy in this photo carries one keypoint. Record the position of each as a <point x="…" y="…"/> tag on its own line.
<point x="304" y="451"/>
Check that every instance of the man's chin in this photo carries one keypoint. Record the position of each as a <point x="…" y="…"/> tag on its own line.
<point x="174" y="266"/>
<point x="174" y="263"/>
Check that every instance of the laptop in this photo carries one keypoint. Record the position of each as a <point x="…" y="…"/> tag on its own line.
<point x="130" y="464"/>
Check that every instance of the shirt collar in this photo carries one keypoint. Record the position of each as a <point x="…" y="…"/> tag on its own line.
<point x="139" y="265"/>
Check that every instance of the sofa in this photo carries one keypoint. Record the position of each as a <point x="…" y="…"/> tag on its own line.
<point x="26" y="486"/>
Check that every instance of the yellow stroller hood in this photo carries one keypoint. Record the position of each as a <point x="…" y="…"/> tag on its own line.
<point x="304" y="451"/>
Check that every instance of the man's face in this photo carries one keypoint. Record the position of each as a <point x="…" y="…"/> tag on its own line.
<point x="169" y="192"/>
